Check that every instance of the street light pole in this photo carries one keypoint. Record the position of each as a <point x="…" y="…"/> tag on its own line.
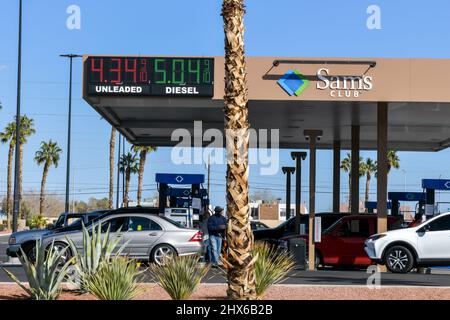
<point x="69" y="128"/>
<point x="288" y="171"/>
<point x="298" y="157"/>
<point x="118" y="172"/>
<point x="16" y="205"/>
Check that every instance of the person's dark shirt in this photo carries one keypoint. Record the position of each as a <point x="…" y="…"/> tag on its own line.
<point x="213" y="225"/>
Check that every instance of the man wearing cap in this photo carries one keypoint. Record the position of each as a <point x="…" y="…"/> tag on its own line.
<point x="216" y="229"/>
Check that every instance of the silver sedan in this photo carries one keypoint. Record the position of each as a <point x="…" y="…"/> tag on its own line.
<point x="147" y="237"/>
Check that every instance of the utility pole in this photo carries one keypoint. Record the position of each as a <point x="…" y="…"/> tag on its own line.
<point x="118" y="172"/>
<point x="16" y="204"/>
<point x="288" y="171"/>
<point x="209" y="174"/>
<point x="69" y="128"/>
<point x="123" y="173"/>
<point x="298" y="157"/>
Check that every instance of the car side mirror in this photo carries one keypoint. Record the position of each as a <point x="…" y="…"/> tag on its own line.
<point x="424" y="229"/>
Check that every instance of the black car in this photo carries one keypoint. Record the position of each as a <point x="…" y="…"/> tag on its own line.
<point x="287" y="228"/>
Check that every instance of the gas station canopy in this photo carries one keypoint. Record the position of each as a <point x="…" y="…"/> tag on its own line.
<point x="146" y="98"/>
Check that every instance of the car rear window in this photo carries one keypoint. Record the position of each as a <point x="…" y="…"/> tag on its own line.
<point x="175" y="223"/>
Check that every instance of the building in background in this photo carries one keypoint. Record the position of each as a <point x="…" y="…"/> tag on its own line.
<point x="272" y="213"/>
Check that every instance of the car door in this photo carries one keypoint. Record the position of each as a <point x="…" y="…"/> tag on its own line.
<point x="434" y="239"/>
<point x="346" y="244"/>
<point x="142" y="234"/>
<point x="117" y="227"/>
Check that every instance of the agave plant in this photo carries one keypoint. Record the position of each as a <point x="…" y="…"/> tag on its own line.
<point x="115" y="280"/>
<point x="179" y="276"/>
<point x="271" y="266"/>
<point x="97" y="249"/>
<point x="45" y="275"/>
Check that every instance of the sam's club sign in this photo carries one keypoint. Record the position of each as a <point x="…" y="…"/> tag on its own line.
<point x="294" y="83"/>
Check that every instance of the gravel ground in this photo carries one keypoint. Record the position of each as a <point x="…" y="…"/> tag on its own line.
<point x="278" y="292"/>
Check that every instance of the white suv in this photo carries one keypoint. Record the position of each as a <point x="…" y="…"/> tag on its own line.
<point x="427" y="244"/>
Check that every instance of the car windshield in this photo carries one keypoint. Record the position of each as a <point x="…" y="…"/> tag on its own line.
<point x="332" y="227"/>
<point x="282" y="225"/>
<point x="60" y="222"/>
<point x="76" y="223"/>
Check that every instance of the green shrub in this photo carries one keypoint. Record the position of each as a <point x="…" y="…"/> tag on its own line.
<point x="96" y="250"/>
<point x="271" y="266"/>
<point x="37" y="222"/>
<point x="115" y="280"/>
<point x="179" y="276"/>
<point x="45" y="275"/>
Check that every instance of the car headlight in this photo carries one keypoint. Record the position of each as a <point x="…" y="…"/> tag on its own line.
<point x="12" y="240"/>
<point x="377" y="236"/>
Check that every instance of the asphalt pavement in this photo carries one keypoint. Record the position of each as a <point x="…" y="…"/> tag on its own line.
<point x="322" y="277"/>
<point x="3" y="245"/>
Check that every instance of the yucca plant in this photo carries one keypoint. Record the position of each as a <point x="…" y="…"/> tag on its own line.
<point x="116" y="279"/>
<point x="97" y="249"/>
<point x="271" y="266"/>
<point x="179" y="276"/>
<point x="45" y="275"/>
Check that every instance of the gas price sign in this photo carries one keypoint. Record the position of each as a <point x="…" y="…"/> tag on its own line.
<point x="149" y="76"/>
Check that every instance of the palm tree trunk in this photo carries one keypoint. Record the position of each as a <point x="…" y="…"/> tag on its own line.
<point x="349" y="193"/>
<point x="142" y="158"/>
<point x="8" y="185"/>
<point x="112" y="143"/>
<point x="20" y="174"/>
<point x="42" y="195"/>
<point x="240" y="260"/>
<point x="127" y="187"/>
<point x="366" y="197"/>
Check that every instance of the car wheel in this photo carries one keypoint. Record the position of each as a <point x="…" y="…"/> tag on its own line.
<point x="30" y="251"/>
<point x="318" y="260"/>
<point x="399" y="259"/>
<point x="161" y="252"/>
<point x="59" y="247"/>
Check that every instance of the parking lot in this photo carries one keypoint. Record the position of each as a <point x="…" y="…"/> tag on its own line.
<point x="3" y="246"/>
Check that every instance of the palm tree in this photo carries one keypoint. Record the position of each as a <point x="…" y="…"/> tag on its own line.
<point x="370" y="168"/>
<point x="8" y="136"/>
<point x="26" y="130"/>
<point x="346" y="165"/>
<point x="240" y="260"/>
<point x="129" y="164"/>
<point x="142" y="150"/>
<point x="48" y="155"/>
<point x="112" y="143"/>
<point x="393" y="160"/>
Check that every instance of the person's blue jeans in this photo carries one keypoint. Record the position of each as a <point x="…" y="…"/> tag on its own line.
<point x="207" y="249"/>
<point x="216" y="247"/>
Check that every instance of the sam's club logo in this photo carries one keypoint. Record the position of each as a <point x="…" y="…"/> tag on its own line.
<point x="293" y="82"/>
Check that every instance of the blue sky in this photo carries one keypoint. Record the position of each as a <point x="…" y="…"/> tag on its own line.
<point x="279" y="28"/>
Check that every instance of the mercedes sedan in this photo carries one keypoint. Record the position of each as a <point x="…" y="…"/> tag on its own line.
<point x="147" y="237"/>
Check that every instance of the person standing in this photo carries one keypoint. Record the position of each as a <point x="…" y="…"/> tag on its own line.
<point x="216" y="229"/>
<point x="205" y="234"/>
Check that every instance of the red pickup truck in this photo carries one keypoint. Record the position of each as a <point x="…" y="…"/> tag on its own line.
<point x="343" y="243"/>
